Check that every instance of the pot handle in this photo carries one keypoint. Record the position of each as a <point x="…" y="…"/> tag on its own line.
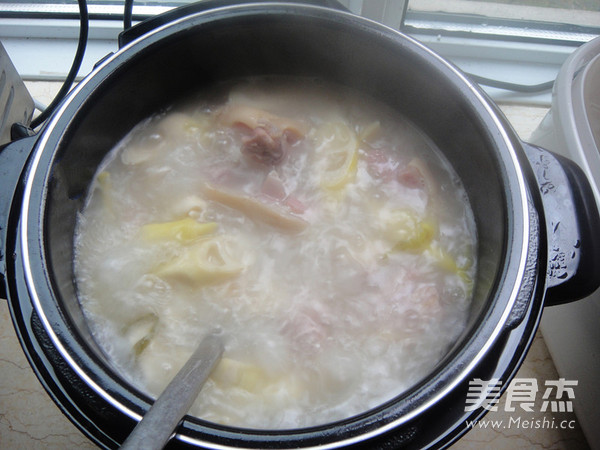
<point x="572" y="226"/>
<point x="13" y="158"/>
<point x="150" y="24"/>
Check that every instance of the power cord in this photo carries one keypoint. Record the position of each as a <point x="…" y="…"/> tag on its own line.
<point x="524" y="88"/>
<point x="127" y="14"/>
<point x="45" y="112"/>
<point x="75" y="66"/>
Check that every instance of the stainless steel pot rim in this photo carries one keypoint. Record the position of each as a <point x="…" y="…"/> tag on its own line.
<point x="272" y="7"/>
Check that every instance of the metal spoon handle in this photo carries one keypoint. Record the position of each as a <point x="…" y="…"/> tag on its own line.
<point x="158" y="424"/>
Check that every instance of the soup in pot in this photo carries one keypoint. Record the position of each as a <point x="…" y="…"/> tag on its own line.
<point x="322" y="233"/>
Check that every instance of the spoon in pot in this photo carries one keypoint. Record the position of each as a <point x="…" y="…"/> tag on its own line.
<point x="159" y="423"/>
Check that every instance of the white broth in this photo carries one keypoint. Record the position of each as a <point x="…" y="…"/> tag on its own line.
<point x="321" y="232"/>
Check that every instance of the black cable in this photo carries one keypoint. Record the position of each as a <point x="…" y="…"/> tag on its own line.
<point x="75" y="66"/>
<point x="127" y="14"/>
<point x="525" y="88"/>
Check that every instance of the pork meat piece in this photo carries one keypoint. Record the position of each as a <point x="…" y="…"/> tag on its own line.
<point x="264" y="146"/>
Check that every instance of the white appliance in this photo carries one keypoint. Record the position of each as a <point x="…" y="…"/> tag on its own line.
<point x="572" y="331"/>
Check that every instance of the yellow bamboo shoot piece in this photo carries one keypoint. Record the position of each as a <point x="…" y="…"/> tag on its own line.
<point x="370" y="131"/>
<point x="106" y="190"/>
<point x="253" y="379"/>
<point x="449" y="264"/>
<point x="337" y="147"/>
<point x="232" y="373"/>
<point x="407" y="230"/>
<point x="173" y="127"/>
<point x="183" y="230"/>
<point x="204" y="262"/>
<point x="271" y="214"/>
<point x="139" y="333"/>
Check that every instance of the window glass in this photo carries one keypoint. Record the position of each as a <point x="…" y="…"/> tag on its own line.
<point x="543" y="19"/>
<point x="576" y="12"/>
<point x="449" y="15"/>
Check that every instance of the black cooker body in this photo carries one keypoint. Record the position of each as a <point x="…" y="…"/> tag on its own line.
<point x="509" y="185"/>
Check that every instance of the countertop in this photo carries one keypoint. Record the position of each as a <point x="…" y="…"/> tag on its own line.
<point x="30" y="420"/>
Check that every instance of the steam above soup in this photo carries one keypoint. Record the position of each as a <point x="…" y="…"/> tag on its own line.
<point x="324" y="235"/>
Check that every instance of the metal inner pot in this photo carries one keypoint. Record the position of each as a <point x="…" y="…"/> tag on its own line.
<point x="279" y="39"/>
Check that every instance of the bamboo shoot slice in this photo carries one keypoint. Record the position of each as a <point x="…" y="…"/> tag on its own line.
<point x="271" y="214"/>
<point x="205" y="262"/>
<point x="337" y="146"/>
<point x="139" y="333"/>
<point x="181" y="230"/>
